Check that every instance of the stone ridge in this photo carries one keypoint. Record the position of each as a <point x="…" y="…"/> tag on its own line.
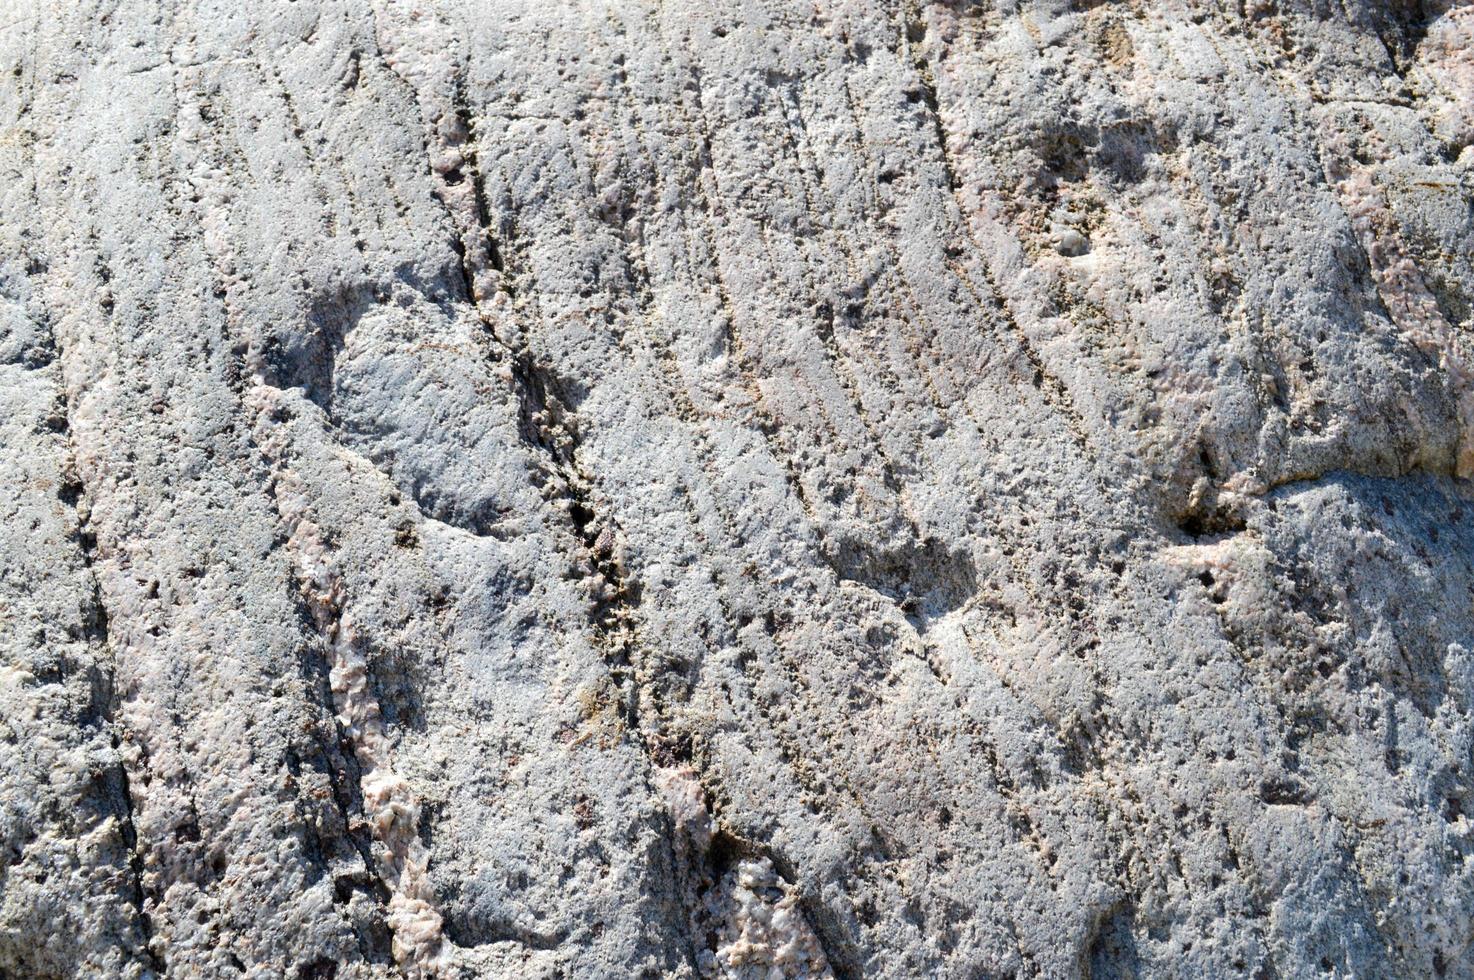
<point x="648" y="488"/>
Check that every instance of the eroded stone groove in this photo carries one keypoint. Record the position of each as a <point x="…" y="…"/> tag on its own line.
<point x="72" y="493"/>
<point x="390" y="806"/>
<point x="663" y="489"/>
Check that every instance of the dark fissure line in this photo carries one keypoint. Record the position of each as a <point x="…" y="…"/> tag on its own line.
<point x="342" y="769"/>
<point x="534" y="387"/>
<point x="340" y="763"/>
<point x="135" y="859"/>
<point x="478" y="185"/>
<point x="612" y="617"/>
<point x="914" y="35"/>
<point x="547" y="424"/>
<point x="98" y="633"/>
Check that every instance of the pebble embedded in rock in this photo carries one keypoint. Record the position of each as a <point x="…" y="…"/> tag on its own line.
<point x="1070" y="242"/>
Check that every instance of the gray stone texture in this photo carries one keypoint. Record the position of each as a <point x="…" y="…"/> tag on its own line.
<point x="611" y="488"/>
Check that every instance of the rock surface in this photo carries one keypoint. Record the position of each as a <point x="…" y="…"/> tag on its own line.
<point x="754" y="489"/>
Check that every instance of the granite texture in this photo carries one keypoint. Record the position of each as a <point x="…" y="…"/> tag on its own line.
<point x="759" y="489"/>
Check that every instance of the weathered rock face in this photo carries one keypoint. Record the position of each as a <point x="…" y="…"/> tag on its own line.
<point x="603" y="489"/>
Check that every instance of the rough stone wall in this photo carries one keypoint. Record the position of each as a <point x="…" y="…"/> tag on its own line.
<point x="752" y="489"/>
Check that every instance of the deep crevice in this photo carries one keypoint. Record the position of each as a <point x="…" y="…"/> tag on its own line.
<point x="135" y="859"/>
<point x="344" y="777"/>
<point x="98" y="633"/>
<point x="914" y="36"/>
<point x="703" y="869"/>
<point x="467" y="149"/>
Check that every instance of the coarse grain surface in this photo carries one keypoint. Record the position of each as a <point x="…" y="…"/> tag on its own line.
<point x="772" y="488"/>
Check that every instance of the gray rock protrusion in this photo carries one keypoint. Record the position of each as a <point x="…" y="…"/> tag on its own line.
<point x="959" y="489"/>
